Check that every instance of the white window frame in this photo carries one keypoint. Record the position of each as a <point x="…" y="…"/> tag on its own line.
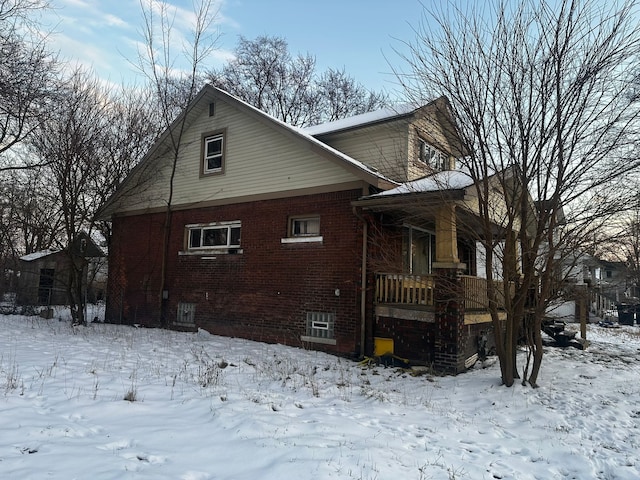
<point x="320" y="328"/>
<point x="431" y="156"/>
<point x="203" y="227"/>
<point x="302" y="237"/>
<point x="304" y="221"/>
<point x="206" y="158"/>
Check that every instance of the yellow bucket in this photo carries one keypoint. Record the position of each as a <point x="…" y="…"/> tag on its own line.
<point x="382" y="346"/>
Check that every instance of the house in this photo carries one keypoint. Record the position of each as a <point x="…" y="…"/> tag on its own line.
<point x="610" y="285"/>
<point x="598" y="284"/>
<point x="340" y="237"/>
<point x="44" y="275"/>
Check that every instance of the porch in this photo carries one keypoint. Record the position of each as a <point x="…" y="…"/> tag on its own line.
<point x="423" y="254"/>
<point x="436" y="320"/>
<point x="406" y="291"/>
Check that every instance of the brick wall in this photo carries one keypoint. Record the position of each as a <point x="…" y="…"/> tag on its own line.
<point x="412" y="340"/>
<point x="262" y="293"/>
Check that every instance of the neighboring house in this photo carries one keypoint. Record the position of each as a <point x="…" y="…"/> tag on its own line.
<point x="577" y="273"/>
<point x="609" y="285"/>
<point x="599" y="283"/>
<point x="326" y="238"/>
<point x="44" y="275"/>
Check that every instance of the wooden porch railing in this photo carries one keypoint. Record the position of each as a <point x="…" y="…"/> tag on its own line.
<point x="408" y="289"/>
<point x="404" y="289"/>
<point x="475" y="293"/>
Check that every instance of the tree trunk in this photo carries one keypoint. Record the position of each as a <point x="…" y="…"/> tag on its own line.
<point x="537" y="352"/>
<point x="75" y="290"/>
<point x="509" y="354"/>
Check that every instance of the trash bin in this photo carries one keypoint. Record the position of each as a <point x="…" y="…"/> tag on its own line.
<point x="626" y="313"/>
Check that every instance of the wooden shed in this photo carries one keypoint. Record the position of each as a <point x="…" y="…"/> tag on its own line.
<point x="44" y="275"/>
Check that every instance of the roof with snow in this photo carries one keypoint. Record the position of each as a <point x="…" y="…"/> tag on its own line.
<point x="367" y="172"/>
<point x="441" y="181"/>
<point x="360" y="120"/>
<point x="37" y="255"/>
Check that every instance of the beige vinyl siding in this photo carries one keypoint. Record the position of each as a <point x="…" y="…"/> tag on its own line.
<point x="429" y="129"/>
<point x="496" y="205"/>
<point x="382" y="146"/>
<point x="146" y="187"/>
<point x="258" y="159"/>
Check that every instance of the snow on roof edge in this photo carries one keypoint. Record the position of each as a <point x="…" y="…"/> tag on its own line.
<point x="441" y="181"/>
<point x="359" y="120"/>
<point x="30" y="257"/>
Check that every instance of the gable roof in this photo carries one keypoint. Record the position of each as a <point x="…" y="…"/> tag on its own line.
<point x="361" y="120"/>
<point x="197" y="107"/>
<point x="349" y="161"/>
<point x="439" y="109"/>
<point x="83" y="245"/>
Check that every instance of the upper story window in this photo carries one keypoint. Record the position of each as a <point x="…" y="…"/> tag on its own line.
<point x="220" y="235"/>
<point x="213" y="153"/>
<point x="432" y="156"/>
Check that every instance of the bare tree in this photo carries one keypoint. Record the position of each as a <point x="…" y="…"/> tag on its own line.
<point x="20" y="10"/>
<point x="72" y="139"/>
<point x="134" y="124"/>
<point x="91" y="138"/>
<point x="620" y="242"/>
<point x="175" y="84"/>
<point x="31" y="217"/>
<point x="27" y="71"/>
<point x="540" y="91"/>
<point x="266" y="75"/>
<point x="340" y="96"/>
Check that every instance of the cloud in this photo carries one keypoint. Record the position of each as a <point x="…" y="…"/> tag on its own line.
<point x="106" y="36"/>
<point x="114" y="21"/>
<point x="76" y="3"/>
<point x="94" y="13"/>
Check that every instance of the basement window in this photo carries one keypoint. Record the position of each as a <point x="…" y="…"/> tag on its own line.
<point x="320" y="328"/>
<point x="186" y="315"/>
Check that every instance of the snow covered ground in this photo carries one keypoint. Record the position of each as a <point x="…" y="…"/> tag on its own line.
<point x="116" y="402"/>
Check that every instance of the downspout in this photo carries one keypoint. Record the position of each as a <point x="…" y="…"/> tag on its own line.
<point x="363" y="282"/>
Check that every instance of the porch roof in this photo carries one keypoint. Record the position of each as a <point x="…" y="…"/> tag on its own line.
<point x="418" y="202"/>
<point x="447" y="180"/>
<point x="446" y="185"/>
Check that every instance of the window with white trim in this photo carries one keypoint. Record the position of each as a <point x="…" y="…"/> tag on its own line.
<point x="305" y="227"/>
<point x="214" y="236"/>
<point x="320" y="325"/>
<point x="432" y="156"/>
<point x="213" y="153"/>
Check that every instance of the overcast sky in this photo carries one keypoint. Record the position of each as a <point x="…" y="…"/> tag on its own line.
<point x="357" y="35"/>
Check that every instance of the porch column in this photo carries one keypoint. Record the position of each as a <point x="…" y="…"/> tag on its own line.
<point x="446" y="235"/>
<point x="450" y="341"/>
